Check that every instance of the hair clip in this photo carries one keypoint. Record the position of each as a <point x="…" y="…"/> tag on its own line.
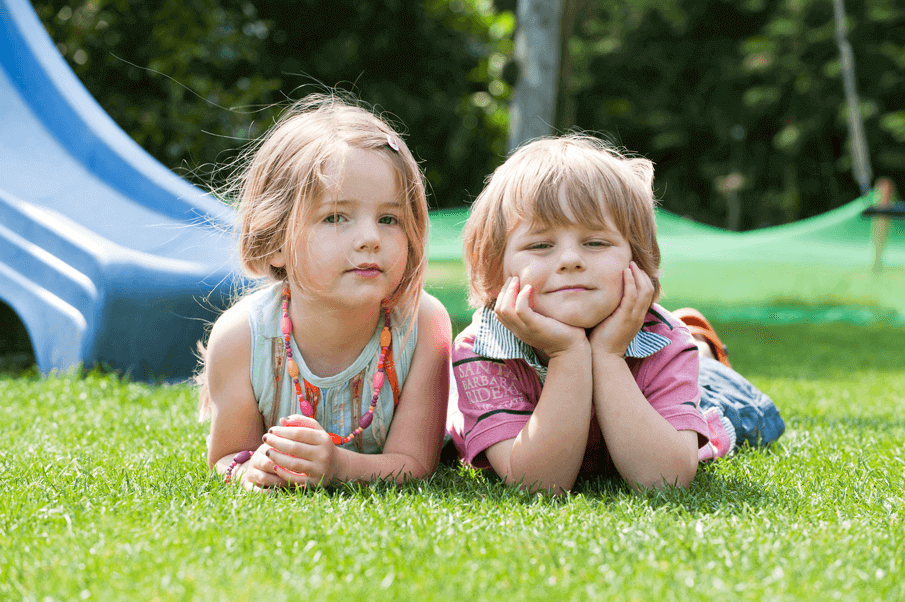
<point x="392" y="142"/>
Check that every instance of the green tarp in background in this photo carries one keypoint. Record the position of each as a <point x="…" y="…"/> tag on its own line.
<point x="818" y="269"/>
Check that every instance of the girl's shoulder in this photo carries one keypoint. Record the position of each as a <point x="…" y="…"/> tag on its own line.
<point x="232" y="331"/>
<point x="433" y="321"/>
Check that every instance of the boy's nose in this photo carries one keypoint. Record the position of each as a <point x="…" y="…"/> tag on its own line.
<point x="570" y="259"/>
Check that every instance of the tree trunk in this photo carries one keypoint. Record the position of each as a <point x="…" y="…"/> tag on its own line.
<point x="537" y="53"/>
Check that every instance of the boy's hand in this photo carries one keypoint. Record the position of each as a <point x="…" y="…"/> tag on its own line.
<point x="302" y="452"/>
<point x="614" y="334"/>
<point x="515" y="310"/>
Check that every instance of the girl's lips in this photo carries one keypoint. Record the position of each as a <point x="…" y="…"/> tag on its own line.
<point x="366" y="270"/>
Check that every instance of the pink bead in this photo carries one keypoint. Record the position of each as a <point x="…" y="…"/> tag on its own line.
<point x="378" y="380"/>
<point x="286" y="325"/>
<point x="366" y="421"/>
<point x="306" y="408"/>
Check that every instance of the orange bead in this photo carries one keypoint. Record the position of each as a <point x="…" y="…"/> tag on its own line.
<point x="293" y="368"/>
<point x="386" y="338"/>
<point x="337" y="440"/>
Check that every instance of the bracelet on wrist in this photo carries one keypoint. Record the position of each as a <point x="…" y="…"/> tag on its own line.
<point x="240" y="458"/>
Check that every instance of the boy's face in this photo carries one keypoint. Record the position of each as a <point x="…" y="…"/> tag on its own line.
<point x="576" y="271"/>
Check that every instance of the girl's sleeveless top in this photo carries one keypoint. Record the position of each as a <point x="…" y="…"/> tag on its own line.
<point x="341" y="400"/>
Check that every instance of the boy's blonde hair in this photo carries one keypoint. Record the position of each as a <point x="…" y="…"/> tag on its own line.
<point x="573" y="179"/>
<point x="290" y="171"/>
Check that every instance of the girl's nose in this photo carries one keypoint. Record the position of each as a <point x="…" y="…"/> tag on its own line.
<point x="368" y="236"/>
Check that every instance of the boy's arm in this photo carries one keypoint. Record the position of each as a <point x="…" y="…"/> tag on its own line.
<point x="548" y="451"/>
<point x="645" y="448"/>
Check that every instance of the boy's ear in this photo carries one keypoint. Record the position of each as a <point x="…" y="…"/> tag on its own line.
<point x="277" y="260"/>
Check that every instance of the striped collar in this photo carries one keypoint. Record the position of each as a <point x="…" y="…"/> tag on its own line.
<point x="495" y="341"/>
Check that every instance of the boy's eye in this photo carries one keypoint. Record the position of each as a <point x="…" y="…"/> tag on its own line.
<point x="389" y="220"/>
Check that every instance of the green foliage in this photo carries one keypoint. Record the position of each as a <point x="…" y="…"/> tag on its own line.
<point x="732" y="100"/>
<point x="193" y="82"/>
<point x="106" y="496"/>
<point x="741" y="98"/>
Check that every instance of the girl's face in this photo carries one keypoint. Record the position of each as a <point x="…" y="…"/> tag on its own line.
<point x="356" y="249"/>
<point x="576" y="271"/>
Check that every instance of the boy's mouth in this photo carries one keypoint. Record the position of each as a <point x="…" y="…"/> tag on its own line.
<point x="573" y="288"/>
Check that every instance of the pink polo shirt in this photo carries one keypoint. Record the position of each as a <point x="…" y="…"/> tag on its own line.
<point x="499" y="388"/>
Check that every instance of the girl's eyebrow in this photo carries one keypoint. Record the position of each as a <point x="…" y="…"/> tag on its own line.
<point x="395" y="203"/>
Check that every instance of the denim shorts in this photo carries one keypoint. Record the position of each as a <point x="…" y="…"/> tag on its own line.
<point x="754" y="415"/>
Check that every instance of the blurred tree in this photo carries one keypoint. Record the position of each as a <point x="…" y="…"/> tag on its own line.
<point x="192" y="81"/>
<point x="740" y="103"/>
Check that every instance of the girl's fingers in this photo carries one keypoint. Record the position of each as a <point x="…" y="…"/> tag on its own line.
<point x="309" y="475"/>
<point x="258" y="478"/>
<point x="298" y="420"/>
<point x="292" y="434"/>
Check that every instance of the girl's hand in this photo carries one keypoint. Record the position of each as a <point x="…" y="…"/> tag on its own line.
<point x="301" y="451"/>
<point x="257" y="473"/>
<point x="515" y="310"/>
<point x="614" y="334"/>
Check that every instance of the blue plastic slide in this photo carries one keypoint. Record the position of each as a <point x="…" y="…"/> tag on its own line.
<point x="106" y="256"/>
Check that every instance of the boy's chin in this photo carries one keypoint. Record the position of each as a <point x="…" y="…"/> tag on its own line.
<point x="586" y="321"/>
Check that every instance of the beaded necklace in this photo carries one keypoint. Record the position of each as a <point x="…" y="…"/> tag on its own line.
<point x="386" y="339"/>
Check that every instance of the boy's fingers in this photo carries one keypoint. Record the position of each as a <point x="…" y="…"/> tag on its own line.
<point x="523" y="302"/>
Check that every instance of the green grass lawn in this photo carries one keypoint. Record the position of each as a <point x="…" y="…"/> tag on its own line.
<point x="106" y="496"/>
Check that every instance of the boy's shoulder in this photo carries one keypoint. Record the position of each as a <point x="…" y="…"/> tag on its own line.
<point x="463" y="346"/>
<point x="659" y="321"/>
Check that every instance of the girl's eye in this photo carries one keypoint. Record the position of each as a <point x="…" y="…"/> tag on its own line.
<point x="389" y="220"/>
<point x="334" y="218"/>
<point x="598" y="243"/>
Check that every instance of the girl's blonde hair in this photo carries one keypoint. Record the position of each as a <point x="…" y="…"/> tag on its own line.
<point x="292" y="167"/>
<point x="573" y="179"/>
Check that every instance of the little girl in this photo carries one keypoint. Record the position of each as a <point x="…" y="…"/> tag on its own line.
<point x="337" y="371"/>
<point x="569" y="367"/>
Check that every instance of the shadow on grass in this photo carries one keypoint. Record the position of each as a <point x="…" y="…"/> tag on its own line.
<point x="710" y="492"/>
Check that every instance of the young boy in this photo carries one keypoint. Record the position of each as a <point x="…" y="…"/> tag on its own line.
<point x="569" y="366"/>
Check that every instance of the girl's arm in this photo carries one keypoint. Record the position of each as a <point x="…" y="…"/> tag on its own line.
<point x="645" y="448"/>
<point x="236" y="423"/>
<point x="548" y="452"/>
<point x="412" y="449"/>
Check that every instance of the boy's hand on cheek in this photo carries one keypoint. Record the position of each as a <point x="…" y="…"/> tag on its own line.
<point x="614" y="334"/>
<point x="515" y="310"/>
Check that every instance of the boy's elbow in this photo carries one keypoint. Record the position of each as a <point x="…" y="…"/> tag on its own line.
<point x="680" y="473"/>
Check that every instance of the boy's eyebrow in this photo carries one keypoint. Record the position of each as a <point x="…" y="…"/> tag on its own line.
<point x="542" y="229"/>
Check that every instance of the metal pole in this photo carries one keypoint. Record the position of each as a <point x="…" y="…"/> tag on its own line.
<point x="860" y="157"/>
